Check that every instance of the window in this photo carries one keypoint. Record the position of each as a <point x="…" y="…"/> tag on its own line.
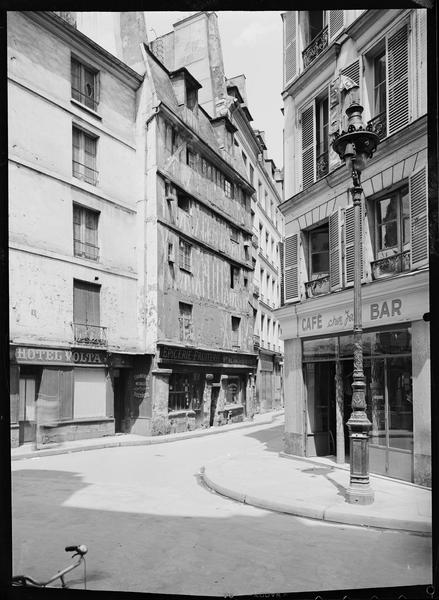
<point x="191" y="98"/>
<point x="84" y="84"/>
<point x="236" y="322"/>
<point x="260" y="192"/>
<point x="316" y="22"/>
<point x="392" y="223"/>
<point x="84" y="156"/>
<point x="322" y="115"/>
<point x="252" y="174"/>
<point x="185" y="255"/>
<point x="86" y="313"/>
<point x="85" y="232"/>
<point x="191" y="159"/>
<point x="319" y="252"/>
<point x="379" y="88"/>
<point x="244" y="158"/>
<point x="234" y="277"/>
<point x="228" y="188"/>
<point x="245" y="282"/>
<point x="185" y="321"/>
<point x="234" y="234"/>
<point x="184" y="202"/>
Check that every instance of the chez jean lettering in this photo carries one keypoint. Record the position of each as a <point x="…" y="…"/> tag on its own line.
<point x="58" y="355"/>
<point x="378" y="310"/>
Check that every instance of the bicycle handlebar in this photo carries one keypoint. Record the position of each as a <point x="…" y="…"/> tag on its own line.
<point x="81" y="549"/>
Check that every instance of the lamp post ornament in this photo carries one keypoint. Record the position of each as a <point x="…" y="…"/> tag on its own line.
<point x="355" y="147"/>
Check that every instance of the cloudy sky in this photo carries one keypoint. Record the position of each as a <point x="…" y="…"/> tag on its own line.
<point x="252" y="45"/>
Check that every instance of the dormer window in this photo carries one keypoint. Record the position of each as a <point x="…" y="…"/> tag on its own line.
<point x="191" y="98"/>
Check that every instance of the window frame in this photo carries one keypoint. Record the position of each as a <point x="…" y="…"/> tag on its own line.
<point x="83" y="136"/>
<point x="321" y="228"/>
<point x="184" y="255"/>
<point x="185" y="320"/>
<point x="401" y="246"/>
<point x="79" y="95"/>
<point x="83" y="212"/>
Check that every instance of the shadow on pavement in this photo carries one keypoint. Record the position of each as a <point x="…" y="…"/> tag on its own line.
<point x="270" y="437"/>
<point x="316" y="471"/>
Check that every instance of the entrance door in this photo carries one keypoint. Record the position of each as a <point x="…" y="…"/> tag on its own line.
<point x="119" y="401"/>
<point x="320" y="383"/>
<point x="27" y="408"/>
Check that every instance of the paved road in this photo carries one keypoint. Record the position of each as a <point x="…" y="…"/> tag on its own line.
<point x="152" y="526"/>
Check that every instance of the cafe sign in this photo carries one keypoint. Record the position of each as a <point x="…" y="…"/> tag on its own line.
<point x="33" y="355"/>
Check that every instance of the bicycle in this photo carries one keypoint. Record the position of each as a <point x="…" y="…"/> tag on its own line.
<point x="26" y="581"/>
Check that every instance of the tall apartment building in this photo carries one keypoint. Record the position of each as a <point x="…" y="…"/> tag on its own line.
<point x="130" y="222"/>
<point x="204" y="60"/>
<point x="332" y="58"/>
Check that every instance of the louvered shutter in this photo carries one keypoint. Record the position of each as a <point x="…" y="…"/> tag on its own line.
<point x="419" y="218"/>
<point x="349" y="241"/>
<point x="335" y="266"/>
<point x="290" y="46"/>
<point x="308" y="146"/>
<point x="282" y="278"/>
<point x="291" y="268"/>
<point x="397" y="80"/>
<point x="421" y="63"/>
<point x="353" y="71"/>
<point x="336" y="22"/>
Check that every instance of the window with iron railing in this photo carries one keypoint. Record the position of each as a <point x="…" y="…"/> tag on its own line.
<point x="84" y="156"/>
<point x="84" y="84"/>
<point x="85" y="232"/>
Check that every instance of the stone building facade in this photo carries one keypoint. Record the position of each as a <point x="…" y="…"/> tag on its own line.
<point x="130" y="270"/>
<point x="332" y="58"/>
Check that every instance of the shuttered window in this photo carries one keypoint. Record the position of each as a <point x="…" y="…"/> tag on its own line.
<point x="291" y="267"/>
<point x="85" y="232"/>
<point x="353" y="72"/>
<point x="335" y="266"/>
<point x="308" y="146"/>
<point x="349" y="241"/>
<point x="84" y="84"/>
<point x="419" y="218"/>
<point x="86" y="302"/>
<point x="185" y="251"/>
<point x="336" y="22"/>
<point x="397" y="79"/>
<point x="282" y="278"/>
<point x="421" y="62"/>
<point x="290" y="46"/>
<point x="84" y="156"/>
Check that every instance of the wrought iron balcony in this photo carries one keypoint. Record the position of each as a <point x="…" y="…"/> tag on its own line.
<point x="322" y="165"/>
<point x="88" y="100"/>
<point x="81" y="171"/>
<point x="85" y="250"/>
<point x="317" y="287"/>
<point x="379" y="125"/>
<point x="90" y="335"/>
<point x="316" y="47"/>
<point x="391" y="265"/>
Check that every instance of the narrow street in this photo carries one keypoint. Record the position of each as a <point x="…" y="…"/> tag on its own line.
<point x="152" y="526"/>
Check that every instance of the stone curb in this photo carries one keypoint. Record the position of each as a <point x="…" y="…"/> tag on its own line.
<point x="329" y="513"/>
<point x="148" y="441"/>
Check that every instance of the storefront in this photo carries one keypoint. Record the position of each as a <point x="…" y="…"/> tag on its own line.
<point x="269" y="381"/>
<point x="319" y="359"/>
<point x="62" y="394"/>
<point x="202" y="388"/>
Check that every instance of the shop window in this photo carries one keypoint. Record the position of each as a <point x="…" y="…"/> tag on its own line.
<point x="84" y="147"/>
<point x="180" y="392"/>
<point x="185" y="321"/>
<point x="232" y="391"/>
<point x="236" y="339"/>
<point x="85" y="232"/>
<point x="185" y="255"/>
<point x="84" y="84"/>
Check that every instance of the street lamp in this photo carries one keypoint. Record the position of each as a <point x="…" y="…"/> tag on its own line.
<point x="355" y="147"/>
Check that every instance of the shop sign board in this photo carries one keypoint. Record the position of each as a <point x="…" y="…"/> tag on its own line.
<point x="193" y="355"/>
<point x="35" y="355"/>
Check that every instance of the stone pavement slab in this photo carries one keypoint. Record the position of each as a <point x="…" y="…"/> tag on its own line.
<point x="306" y="488"/>
<point x="129" y="439"/>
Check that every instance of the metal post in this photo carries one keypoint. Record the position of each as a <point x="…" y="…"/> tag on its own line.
<point x="359" y="491"/>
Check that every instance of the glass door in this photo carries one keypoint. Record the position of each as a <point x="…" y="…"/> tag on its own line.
<point x="27" y="408"/>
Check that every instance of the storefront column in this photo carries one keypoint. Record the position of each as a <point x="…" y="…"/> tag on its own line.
<point x="221" y="402"/>
<point x="207" y="399"/>
<point x="421" y="402"/>
<point x="249" y="408"/>
<point x="339" y="415"/>
<point x="160" y="395"/>
<point x="294" y="398"/>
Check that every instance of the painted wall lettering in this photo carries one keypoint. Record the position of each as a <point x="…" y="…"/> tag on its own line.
<point x="314" y="322"/>
<point x="390" y="308"/>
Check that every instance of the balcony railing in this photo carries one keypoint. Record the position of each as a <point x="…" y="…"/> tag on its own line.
<point x="318" y="44"/>
<point x="85" y="250"/>
<point x="90" y="335"/>
<point x="390" y="265"/>
<point x="379" y="125"/>
<point x="317" y="287"/>
<point x="322" y="165"/>
<point x="255" y="241"/>
<point x="85" y="173"/>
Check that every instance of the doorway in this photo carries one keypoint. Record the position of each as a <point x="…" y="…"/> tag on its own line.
<point x="27" y="408"/>
<point x="119" y="400"/>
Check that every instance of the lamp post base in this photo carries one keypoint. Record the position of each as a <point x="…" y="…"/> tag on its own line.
<point x="360" y="493"/>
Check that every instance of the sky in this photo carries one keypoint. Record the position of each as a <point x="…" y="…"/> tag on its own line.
<point x="252" y="45"/>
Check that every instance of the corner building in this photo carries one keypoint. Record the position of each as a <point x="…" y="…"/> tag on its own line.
<point x="377" y="58"/>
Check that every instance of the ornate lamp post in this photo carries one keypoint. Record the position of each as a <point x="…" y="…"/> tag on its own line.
<point x="355" y="147"/>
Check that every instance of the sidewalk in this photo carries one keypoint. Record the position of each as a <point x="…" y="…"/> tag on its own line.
<point x="315" y="488"/>
<point x="129" y="439"/>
